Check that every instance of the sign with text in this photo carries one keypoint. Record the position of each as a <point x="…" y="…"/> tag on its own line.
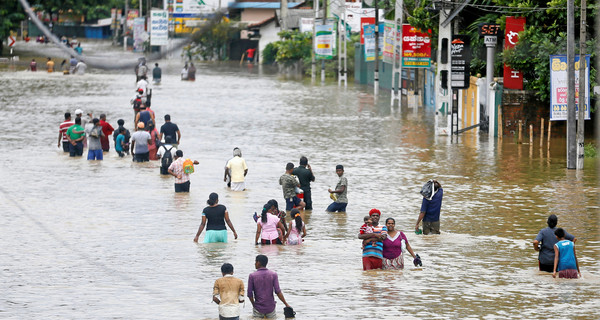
<point x="388" y="41"/>
<point x="513" y="79"/>
<point x="369" y="32"/>
<point x="363" y="22"/>
<point x="460" y="55"/>
<point x="558" y="86"/>
<point x="353" y="15"/>
<point x="195" y="6"/>
<point x="159" y="28"/>
<point x="416" y="48"/>
<point x="138" y="34"/>
<point x="324" y="39"/>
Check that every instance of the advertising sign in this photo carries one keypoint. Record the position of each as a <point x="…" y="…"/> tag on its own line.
<point x="353" y="15"/>
<point x="513" y="79"/>
<point x="363" y="22"/>
<point x="416" y="48"/>
<point x="131" y="15"/>
<point x="159" y="28"/>
<point x="460" y="55"/>
<point x="388" y="42"/>
<point x="324" y="39"/>
<point x="558" y="86"/>
<point x="138" y="34"/>
<point x="191" y="7"/>
<point x="369" y="32"/>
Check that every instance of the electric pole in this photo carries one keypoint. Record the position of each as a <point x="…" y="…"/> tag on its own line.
<point x="582" y="88"/>
<point x="571" y="146"/>
<point x="324" y="23"/>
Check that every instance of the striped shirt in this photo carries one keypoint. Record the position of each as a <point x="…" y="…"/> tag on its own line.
<point x="177" y="168"/>
<point x="63" y="129"/>
<point x="375" y="249"/>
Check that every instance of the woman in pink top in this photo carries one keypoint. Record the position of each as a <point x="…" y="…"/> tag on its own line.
<point x="152" y="148"/>
<point x="393" y="245"/>
<point x="266" y="227"/>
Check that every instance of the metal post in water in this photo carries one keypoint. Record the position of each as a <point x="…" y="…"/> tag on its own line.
<point x="571" y="126"/>
<point x="582" y="88"/>
<point x="313" y="66"/>
<point x="324" y="23"/>
<point x="397" y="62"/>
<point x="376" y="74"/>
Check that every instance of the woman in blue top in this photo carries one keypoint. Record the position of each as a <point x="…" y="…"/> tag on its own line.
<point x="565" y="257"/>
<point x="214" y="217"/>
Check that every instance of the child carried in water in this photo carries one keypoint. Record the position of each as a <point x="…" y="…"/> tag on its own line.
<point x="366" y="229"/>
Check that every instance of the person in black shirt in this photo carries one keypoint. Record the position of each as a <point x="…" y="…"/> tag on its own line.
<point x="306" y="176"/>
<point x="170" y="132"/>
<point x="214" y="218"/>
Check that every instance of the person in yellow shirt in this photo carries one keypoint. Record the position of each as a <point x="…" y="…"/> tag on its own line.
<point x="228" y="293"/>
<point x="50" y="65"/>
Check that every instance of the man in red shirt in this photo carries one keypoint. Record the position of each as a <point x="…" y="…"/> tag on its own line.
<point x="62" y="132"/>
<point x="107" y="129"/>
<point x="250" y="55"/>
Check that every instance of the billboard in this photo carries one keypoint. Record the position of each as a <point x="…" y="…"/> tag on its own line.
<point x="416" y="47"/>
<point x="558" y="86"/>
<point x="369" y="35"/>
<point x="159" y="28"/>
<point x="460" y="64"/>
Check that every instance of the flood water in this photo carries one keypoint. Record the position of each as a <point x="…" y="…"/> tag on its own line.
<point x="111" y="240"/>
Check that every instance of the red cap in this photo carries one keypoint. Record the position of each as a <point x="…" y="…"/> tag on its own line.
<point x="374" y="211"/>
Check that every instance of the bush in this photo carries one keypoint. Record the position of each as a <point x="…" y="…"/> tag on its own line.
<point x="269" y="53"/>
<point x="590" y="151"/>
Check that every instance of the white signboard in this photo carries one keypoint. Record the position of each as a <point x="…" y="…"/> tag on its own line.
<point x="159" y="28"/>
<point x="306" y="24"/>
<point x="559" y="89"/>
<point x="354" y="11"/>
<point x="138" y="37"/>
<point x="195" y="6"/>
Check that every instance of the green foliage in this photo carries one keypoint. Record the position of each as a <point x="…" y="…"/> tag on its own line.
<point x="269" y="53"/>
<point x="211" y="40"/>
<point x="293" y="46"/>
<point x="10" y="15"/>
<point x="590" y="150"/>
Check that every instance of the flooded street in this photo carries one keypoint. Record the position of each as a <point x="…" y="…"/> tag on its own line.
<point x="111" y="240"/>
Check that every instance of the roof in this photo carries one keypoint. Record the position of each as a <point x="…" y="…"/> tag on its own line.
<point x="261" y="5"/>
<point x="294" y="16"/>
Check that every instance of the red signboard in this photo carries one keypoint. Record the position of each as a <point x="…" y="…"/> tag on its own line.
<point x="416" y="46"/>
<point x="363" y="22"/>
<point x="513" y="79"/>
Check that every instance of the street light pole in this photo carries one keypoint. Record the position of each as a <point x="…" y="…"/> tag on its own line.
<point x="582" y="88"/>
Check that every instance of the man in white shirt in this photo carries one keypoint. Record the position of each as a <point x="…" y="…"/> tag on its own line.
<point x="236" y="169"/>
<point x="80" y="67"/>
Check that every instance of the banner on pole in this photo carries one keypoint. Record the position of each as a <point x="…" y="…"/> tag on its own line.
<point x="159" y="28"/>
<point x="324" y="39"/>
<point x="138" y="34"/>
<point x="388" y="41"/>
<point x="369" y="33"/>
<point x="513" y="79"/>
<point x="558" y="86"/>
<point x="416" y="47"/>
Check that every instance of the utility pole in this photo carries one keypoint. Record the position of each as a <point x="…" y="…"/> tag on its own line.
<point x="324" y="23"/>
<point x="397" y="63"/>
<point x="284" y="14"/>
<point x="582" y="87"/>
<point x="342" y="57"/>
<point x="313" y="67"/>
<point x="571" y="142"/>
<point x="376" y="74"/>
<point x="443" y="97"/>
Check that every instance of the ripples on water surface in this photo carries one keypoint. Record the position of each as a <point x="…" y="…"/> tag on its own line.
<point x="98" y="240"/>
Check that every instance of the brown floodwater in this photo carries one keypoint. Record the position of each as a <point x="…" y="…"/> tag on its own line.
<point x="96" y="240"/>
